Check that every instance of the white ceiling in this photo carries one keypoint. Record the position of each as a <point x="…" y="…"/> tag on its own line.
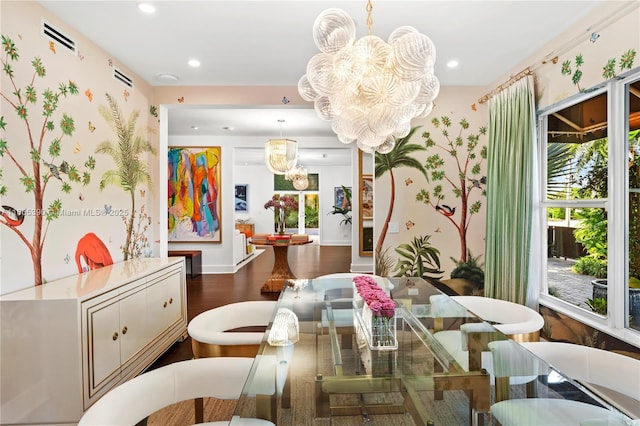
<point x="268" y="43"/>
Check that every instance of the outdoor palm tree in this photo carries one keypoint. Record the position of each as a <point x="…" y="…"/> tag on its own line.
<point x="401" y="156"/>
<point x="131" y="171"/>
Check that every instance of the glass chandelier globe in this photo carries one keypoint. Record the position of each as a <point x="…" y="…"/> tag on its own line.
<point x="369" y="89"/>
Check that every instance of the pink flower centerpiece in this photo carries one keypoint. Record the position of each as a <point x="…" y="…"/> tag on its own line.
<point x="377" y="311"/>
<point x="281" y="207"/>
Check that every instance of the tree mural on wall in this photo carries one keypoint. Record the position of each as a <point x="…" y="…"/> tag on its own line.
<point x="45" y="167"/>
<point x="400" y="156"/>
<point x="608" y="70"/>
<point x="468" y="163"/>
<point x="130" y="172"/>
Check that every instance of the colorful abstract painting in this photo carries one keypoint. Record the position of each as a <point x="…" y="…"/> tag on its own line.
<point x="194" y="201"/>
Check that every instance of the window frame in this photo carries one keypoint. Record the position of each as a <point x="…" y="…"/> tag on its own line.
<point x="616" y="205"/>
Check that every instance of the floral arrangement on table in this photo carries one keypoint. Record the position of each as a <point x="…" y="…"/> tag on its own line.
<point x="377" y="311"/>
<point x="281" y="206"/>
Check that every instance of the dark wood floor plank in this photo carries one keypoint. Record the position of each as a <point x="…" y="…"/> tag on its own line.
<point x="208" y="291"/>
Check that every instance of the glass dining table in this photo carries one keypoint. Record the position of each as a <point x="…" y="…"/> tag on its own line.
<point x="330" y="374"/>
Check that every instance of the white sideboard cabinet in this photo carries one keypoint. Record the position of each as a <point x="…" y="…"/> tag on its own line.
<point x="66" y="343"/>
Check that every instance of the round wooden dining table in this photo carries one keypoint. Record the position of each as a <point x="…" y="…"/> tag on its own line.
<point x="281" y="270"/>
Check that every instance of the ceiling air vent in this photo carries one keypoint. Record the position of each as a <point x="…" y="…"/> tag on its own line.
<point x="52" y="33"/>
<point x="122" y="77"/>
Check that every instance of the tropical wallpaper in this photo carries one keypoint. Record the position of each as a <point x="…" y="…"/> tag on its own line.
<point x="77" y="157"/>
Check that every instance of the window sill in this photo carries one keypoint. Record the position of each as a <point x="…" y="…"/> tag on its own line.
<point x="629" y="336"/>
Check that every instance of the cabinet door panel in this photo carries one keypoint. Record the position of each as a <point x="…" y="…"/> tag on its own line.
<point x="104" y="343"/>
<point x="134" y="327"/>
<point x="173" y="286"/>
<point x="156" y="306"/>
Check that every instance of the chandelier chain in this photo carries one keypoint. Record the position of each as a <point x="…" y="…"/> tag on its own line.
<point x="369" y="18"/>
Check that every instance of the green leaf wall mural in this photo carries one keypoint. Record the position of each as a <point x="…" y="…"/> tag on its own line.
<point x="467" y="156"/>
<point x="418" y="259"/>
<point x="46" y="131"/>
<point x="608" y="70"/>
<point x="131" y="172"/>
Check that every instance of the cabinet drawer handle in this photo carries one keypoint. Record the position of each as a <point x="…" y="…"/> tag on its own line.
<point x="164" y="305"/>
<point x="115" y="336"/>
<point x="124" y="330"/>
<point x="171" y="300"/>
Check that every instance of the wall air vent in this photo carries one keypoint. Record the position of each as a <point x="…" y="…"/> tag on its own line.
<point x="122" y="77"/>
<point x="54" y="34"/>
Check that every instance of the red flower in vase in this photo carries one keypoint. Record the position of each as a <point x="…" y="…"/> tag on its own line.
<point x="281" y="206"/>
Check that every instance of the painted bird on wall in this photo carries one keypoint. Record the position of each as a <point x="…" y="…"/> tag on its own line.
<point x="12" y="216"/>
<point x="446" y="210"/>
<point x="56" y="170"/>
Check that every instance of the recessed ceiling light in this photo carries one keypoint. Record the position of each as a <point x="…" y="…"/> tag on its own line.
<point x="167" y="77"/>
<point x="194" y="127"/>
<point x="228" y="128"/>
<point x="452" y="64"/>
<point x="146" y="7"/>
<point x="194" y="63"/>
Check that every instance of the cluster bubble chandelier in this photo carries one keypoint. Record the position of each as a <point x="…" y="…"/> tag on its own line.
<point x="369" y="89"/>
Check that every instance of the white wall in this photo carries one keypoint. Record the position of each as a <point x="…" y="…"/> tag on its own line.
<point x="218" y="257"/>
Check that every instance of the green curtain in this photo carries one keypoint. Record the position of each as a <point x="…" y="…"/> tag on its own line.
<point x="510" y="186"/>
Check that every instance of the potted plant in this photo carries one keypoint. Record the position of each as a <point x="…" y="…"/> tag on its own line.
<point x="598" y="302"/>
<point x="467" y="278"/>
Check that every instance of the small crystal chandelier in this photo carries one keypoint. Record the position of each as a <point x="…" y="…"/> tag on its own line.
<point x="369" y="89"/>
<point x="280" y="155"/>
<point x="298" y="176"/>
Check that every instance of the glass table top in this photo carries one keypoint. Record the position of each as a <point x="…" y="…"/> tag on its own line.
<point x="331" y="374"/>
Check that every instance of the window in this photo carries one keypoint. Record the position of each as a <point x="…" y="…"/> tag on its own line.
<point x="590" y="204"/>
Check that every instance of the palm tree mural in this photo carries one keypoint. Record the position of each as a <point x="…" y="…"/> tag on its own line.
<point x="131" y="171"/>
<point x="401" y="156"/>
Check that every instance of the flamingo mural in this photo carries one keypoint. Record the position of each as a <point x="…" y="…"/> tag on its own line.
<point x="91" y="253"/>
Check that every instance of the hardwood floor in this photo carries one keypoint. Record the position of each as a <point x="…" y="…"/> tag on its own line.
<point x="212" y="290"/>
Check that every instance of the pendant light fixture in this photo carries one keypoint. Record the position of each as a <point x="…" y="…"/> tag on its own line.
<point x="369" y="89"/>
<point x="280" y="155"/>
<point x="299" y="177"/>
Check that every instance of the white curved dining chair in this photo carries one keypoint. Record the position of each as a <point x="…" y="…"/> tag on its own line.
<point x="138" y="398"/>
<point x="551" y="412"/>
<point x="210" y="330"/>
<point x="518" y="322"/>
<point x="614" y="376"/>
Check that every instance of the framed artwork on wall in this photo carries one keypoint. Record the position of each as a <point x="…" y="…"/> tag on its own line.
<point x="339" y="197"/>
<point x="241" y="200"/>
<point x="195" y="201"/>
<point x="366" y="197"/>
<point x="367" y="239"/>
<point x="365" y="203"/>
